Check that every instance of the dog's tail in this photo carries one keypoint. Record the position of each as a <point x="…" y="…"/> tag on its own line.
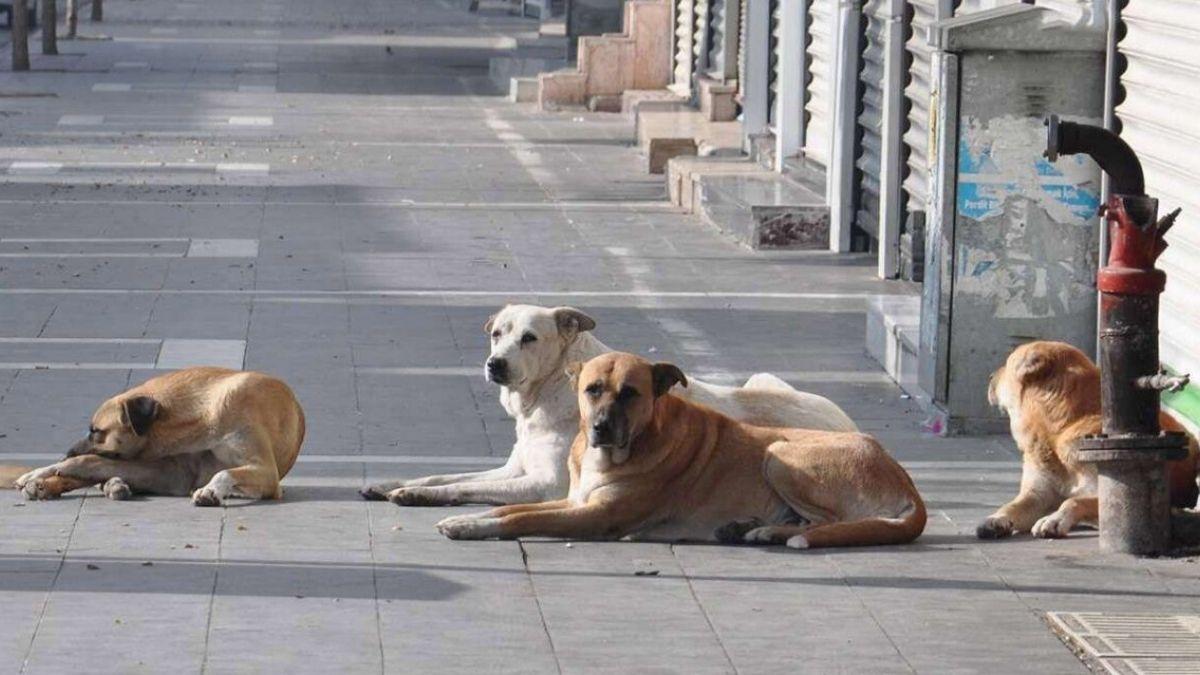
<point x="767" y="381"/>
<point x="9" y="475"/>
<point x="866" y="532"/>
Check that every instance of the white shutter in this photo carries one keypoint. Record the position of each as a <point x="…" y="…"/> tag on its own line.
<point x="869" y="155"/>
<point x="1158" y="118"/>
<point x="818" y="90"/>
<point x="917" y="92"/>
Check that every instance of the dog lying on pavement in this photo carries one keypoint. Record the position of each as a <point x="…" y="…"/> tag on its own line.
<point x="210" y="433"/>
<point x="651" y="466"/>
<point x="530" y="347"/>
<point x="1051" y="393"/>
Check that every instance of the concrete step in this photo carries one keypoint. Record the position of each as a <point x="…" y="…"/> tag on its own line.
<point x="502" y="69"/>
<point x="665" y="134"/>
<point x="763" y="210"/>
<point x="893" y="335"/>
<point x="683" y="172"/>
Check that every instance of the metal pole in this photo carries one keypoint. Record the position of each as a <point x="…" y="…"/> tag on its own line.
<point x="72" y="18"/>
<point x="49" y="26"/>
<point x="97" y="10"/>
<point x="20" y="35"/>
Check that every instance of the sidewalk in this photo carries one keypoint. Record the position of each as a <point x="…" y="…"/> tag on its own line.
<point x="335" y="193"/>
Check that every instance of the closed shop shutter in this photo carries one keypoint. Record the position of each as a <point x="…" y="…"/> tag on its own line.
<point x="818" y="90"/>
<point x="922" y="13"/>
<point x="773" y="56"/>
<point x="1158" y="118"/>
<point x="868" y="155"/>
<point x="684" y="44"/>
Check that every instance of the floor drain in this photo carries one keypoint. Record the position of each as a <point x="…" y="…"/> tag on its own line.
<point x="1128" y="644"/>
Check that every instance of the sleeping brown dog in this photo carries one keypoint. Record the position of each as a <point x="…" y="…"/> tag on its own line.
<point x="1051" y="392"/>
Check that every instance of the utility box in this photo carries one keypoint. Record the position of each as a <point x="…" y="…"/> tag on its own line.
<point x="1012" y="241"/>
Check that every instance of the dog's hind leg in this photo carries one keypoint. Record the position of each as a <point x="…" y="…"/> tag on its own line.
<point x="251" y="481"/>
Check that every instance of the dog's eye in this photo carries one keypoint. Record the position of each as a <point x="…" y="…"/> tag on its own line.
<point x="627" y="394"/>
<point x="528" y="338"/>
<point x="496" y="334"/>
<point x="594" y="389"/>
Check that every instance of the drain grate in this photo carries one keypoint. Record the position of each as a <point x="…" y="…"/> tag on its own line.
<point x="1129" y="644"/>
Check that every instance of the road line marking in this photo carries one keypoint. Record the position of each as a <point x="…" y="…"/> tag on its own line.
<point x="181" y="353"/>
<point x="86" y="240"/>
<point x="111" y="86"/>
<point x="80" y="340"/>
<point x="256" y="88"/>
<point x="223" y="248"/>
<point x="250" y="121"/>
<point x="25" y="168"/>
<point x="80" y="120"/>
<point x="130" y="65"/>
<point x="307" y="458"/>
<point x="243" y="167"/>
<point x="71" y="365"/>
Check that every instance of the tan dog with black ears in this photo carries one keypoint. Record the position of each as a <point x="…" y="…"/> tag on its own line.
<point x="651" y="466"/>
<point x="210" y="433"/>
<point x="1051" y="392"/>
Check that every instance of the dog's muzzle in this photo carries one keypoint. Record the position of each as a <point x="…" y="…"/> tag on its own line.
<point x="497" y="370"/>
<point x="83" y="447"/>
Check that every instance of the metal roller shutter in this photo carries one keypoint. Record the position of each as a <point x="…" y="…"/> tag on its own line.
<point x="818" y="91"/>
<point x="773" y="57"/>
<point x="1158" y="119"/>
<point x="917" y="93"/>
<point x="684" y="39"/>
<point x="869" y="153"/>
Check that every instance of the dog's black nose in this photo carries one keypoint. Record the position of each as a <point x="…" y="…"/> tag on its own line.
<point x="601" y="433"/>
<point x="497" y="369"/>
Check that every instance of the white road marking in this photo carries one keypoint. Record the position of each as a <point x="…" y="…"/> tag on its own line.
<point x="250" y="121"/>
<point x="180" y="353"/>
<point x="308" y="458"/>
<point x="84" y="341"/>
<point x="80" y="120"/>
<point x="111" y="86"/>
<point x="131" y="65"/>
<point x="521" y="149"/>
<point x="243" y="167"/>
<point x="27" y="168"/>
<point x="223" y="248"/>
<point x="164" y="31"/>
<point x="256" y="88"/>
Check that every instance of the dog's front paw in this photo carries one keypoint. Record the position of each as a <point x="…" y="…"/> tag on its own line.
<point x="417" y="496"/>
<point x="206" y="496"/>
<point x="35" y="486"/>
<point x="1052" y="526"/>
<point x="374" y="493"/>
<point x="117" y="489"/>
<point x="995" y="527"/>
<point x="468" y="527"/>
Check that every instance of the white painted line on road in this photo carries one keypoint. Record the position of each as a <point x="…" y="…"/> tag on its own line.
<point x="164" y="31"/>
<point x="82" y="341"/>
<point x="715" y="376"/>
<point x="80" y="120"/>
<point x="111" y="87"/>
<point x="64" y="365"/>
<point x="243" y="167"/>
<point x="177" y="353"/>
<point x="394" y="293"/>
<point x="131" y="65"/>
<point x="308" y="458"/>
<point x="250" y="121"/>
<point x="256" y="88"/>
<point x="223" y="248"/>
<point x="34" y="168"/>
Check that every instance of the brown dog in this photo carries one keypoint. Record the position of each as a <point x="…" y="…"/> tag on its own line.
<point x="1051" y="392"/>
<point x="208" y="432"/>
<point x="649" y="465"/>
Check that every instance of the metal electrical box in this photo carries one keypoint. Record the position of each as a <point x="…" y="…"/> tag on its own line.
<point x="1012" y="240"/>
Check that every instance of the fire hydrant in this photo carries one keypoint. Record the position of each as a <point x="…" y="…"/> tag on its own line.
<point x="1131" y="451"/>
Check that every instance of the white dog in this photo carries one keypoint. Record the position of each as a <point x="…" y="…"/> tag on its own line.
<point x="531" y="348"/>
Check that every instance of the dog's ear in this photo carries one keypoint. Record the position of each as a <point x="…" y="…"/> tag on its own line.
<point x="490" y="323"/>
<point x="138" y="412"/>
<point x="1033" y="365"/>
<point x="572" y="370"/>
<point x="993" y="383"/>
<point x="665" y="376"/>
<point x="571" y="321"/>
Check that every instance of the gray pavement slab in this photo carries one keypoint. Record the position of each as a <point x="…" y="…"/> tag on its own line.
<point x="392" y="203"/>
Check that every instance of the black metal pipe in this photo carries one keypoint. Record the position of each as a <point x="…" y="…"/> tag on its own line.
<point x="1113" y="155"/>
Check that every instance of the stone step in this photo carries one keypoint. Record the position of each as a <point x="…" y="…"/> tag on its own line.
<point x="502" y="69"/>
<point x="763" y="210"/>
<point x="665" y="134"/>
<point x="683" y="172"/>
<point x="893" y="335"/>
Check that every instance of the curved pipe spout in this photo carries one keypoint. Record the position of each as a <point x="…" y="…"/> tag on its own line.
<point x="1113" y="155"/>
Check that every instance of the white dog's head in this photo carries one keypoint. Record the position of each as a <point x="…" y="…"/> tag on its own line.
<point x="528" y="342"/>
